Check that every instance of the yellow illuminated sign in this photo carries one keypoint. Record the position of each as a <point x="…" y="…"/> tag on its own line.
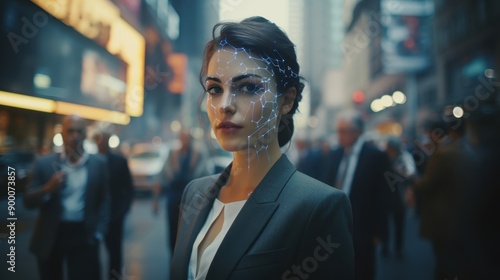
<point x="27" y="102"/>
<point x="178" y="64"/>
<point x="100" y="21"/>
<point x="64" y="108"/>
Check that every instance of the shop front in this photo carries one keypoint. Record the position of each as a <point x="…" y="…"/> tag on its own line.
<point x="65" y="57"/>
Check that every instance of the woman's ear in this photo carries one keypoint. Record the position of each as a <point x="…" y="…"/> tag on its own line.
<point x="288" y="100"/>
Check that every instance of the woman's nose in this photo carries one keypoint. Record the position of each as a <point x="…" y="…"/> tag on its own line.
<point x="227" y="104"/>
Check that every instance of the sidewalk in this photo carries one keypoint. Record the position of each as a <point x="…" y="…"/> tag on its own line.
<point x="418" y="261"/>
<point x="146" y="255"/>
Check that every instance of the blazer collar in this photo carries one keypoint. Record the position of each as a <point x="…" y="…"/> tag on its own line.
<point x="251" y="220"/>
<point x="267" y="190"/>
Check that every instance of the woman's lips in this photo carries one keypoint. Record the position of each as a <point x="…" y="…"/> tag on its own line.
<point x="228" y="127"/>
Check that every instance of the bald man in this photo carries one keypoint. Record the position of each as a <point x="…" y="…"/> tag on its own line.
<point x="70" y="190"/>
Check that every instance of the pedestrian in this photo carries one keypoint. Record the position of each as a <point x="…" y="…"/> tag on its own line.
<point x="122" y="194"/>
<point x="182" y="164"/>
<point x="441" y="190"/>
<point x="401" y="175"/>
<point x="478" y="225"/>
<point x="357" y="168"/>
<point x="260" y="218"/>
<point x="70" y="189"/>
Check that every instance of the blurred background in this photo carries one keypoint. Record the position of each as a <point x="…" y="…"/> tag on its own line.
<point x="131" y="67"/>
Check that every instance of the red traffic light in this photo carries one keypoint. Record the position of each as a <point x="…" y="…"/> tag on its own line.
<point x="358" y="96"/>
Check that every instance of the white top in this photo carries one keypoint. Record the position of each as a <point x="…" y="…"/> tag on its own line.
<point x="231" y="210"/>
<point x="73" y="192"/>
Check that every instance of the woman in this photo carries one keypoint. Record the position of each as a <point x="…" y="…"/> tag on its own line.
<point x="260" y="218"/>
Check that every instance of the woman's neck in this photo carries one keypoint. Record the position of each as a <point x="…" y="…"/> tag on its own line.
<point x="247" y="171"/>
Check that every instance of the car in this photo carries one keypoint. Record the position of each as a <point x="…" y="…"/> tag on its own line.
<point x="147" y="164"/>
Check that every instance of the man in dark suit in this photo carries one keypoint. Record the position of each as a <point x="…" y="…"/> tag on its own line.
<point x="357" y="167"/>
<point x="122" y="193"/>
<point x="478" y="223"/>
<point x="442" y="190"/>
<point x="70" y="189"/>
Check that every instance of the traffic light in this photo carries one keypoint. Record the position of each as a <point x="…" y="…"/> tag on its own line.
<point x="358" y="97"/>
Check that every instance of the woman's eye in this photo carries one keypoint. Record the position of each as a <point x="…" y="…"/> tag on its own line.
<point x="214" y="90"/>
<point x="250" y="88"/>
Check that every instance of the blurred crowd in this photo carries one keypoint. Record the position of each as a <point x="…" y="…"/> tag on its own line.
<point x="447" y="174"/>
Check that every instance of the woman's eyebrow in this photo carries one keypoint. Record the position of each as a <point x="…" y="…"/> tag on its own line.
<point x="241" y="77"/>
<point x="215" y="79"/>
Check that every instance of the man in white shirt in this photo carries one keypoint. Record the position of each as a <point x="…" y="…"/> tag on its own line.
<point x="70" y="190"/>
<point x="357" y="167"/>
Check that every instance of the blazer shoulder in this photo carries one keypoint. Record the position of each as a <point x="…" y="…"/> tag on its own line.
<point x="371" y="148"/>
<point x="116" y="156"/>
<point x="98" y="161"/>
<point x="306" y="185"/>
<point x="200" y="182"/>
<point x="48" y="162"/>
<point x="202" y="185"/>
<point x="97" y="158"/>
<point x="48" y="158"/>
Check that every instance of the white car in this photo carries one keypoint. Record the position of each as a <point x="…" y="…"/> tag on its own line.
<point x="147" y="163"/>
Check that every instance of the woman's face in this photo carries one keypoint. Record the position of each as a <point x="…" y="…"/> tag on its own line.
<point x="242" y="101"/>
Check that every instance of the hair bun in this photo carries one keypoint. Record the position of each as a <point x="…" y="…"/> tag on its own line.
<point x="256" y="19"/>
<point x="285" y="129"/>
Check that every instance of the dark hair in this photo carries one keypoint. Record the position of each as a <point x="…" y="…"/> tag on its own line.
<point x="263" y="38"/>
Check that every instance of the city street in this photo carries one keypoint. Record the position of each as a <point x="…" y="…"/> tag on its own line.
<point x="146" y="254"/>
<point x="418" y="259"/>
<point x="362" y="95"/>
<point x="145" y="249"/>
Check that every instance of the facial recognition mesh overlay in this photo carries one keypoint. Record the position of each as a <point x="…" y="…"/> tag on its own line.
<point x="253" y="88"/>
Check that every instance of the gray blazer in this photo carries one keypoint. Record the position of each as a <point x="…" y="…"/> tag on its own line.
<point x="97" y="202"/>
<point x="291" y="227"/>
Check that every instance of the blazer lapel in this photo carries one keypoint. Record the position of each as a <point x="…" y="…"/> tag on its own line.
<point x="250" y="222"/>
<point x="334" y="162"/>
<point x="90" y="187"/>
<point x="361" y="166"/>
<point x="56" y="166"/>
<point x="194" y="216"/>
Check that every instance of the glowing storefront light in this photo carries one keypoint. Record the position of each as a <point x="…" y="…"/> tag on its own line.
<point x="377" y="105"/>
<point x="387" y="101"/>
<point x="57" y="140"/>
<point x="101" y="21"/>
<point x="489" y="73"/>
<point x="399" y="97"/>
<point x="91" y="113"/>
<point x="26" y="102"/>
<point x="42" y="81"/>
<point x="175" y="126"/>
<point x="114" y="141"/>
<point x="458" y="112"/>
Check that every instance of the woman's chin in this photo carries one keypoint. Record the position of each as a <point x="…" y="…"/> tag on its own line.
<point x="233" y="145"/>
